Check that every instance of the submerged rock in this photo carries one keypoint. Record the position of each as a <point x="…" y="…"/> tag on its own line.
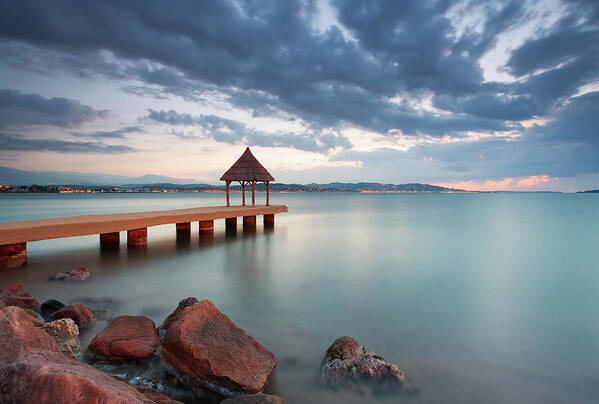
<point x="206" y="350"/>
<point x="32" y="369"/>
<point x="347" y="364"/>
<point x="77" y="312"/>
<point x="50" y="307"/>
<point x="258" y="398"/>
<point x="126" y="337"/>
<point x="13" y="295"/>
<point x="65" y="333"/>
<point x="78" y="274"/>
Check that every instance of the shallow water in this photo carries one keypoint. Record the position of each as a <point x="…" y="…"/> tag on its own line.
<point x="478" y="297"/>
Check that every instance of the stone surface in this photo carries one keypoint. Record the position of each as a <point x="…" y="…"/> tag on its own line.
<point x="51" y="377"/>
<point x="33" y="370"/>
<point x="50" y="307"/>
<point x="78" y="274"/>
<point x="13" y="255"/>
<point x="126" y="337"/>
<point x="65" y="333"/>
<point x="258" y="398"/>
<point x="156" y="396"/>
<point x="18" y="334"/>
<point x="77" y="312"/>
<point x="175" y="314"/>
<point x="206" y="350"/>
<point x="347" y="364"/>
<point x="13" y="295"/>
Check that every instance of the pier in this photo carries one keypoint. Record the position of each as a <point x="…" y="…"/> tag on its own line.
<point x="14" y="236"/>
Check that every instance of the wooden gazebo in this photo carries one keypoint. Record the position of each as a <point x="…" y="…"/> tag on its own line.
<point x="247" y="170"/>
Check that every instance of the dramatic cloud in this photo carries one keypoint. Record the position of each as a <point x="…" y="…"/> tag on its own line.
<point x="111" y="134"/>
<point x="20" y="143"/>
<point x="18" y="109"/>
<point x="478" y="90"/>
<point x="234" y="132"/>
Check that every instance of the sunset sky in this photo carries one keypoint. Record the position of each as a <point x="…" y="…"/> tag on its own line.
<point x="471" y="94"/>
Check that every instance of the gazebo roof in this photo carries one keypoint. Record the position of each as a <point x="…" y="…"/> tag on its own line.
<point x="247" y="168"/>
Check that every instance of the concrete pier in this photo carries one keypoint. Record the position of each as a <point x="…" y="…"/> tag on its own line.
<point x="15" y="235"/>
<point x="183" y="230"/>
<point x="269" y="220"/>
<point x="249" y="221"/>
<point x="137" y="237"/>
<point x="13" y="255"/>
<point x="110" y="240"/>
<point x="206" y="226"/>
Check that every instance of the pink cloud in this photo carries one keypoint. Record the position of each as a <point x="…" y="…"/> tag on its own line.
<point x="533" y="180"/>
<point x="488" y="185"/>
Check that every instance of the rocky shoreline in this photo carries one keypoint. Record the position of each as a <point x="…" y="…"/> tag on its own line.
<point x="196" y="355"/>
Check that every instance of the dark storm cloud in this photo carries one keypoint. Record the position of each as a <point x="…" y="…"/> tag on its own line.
<point x="267" y="57"/>
<point x="9" y="142"/>
<point x="111" y="134"/>
<point x="19" y="109"/>
<point x="271" y="47"/>
<point x="234" y="132"/>
<point x="566" y="146"/>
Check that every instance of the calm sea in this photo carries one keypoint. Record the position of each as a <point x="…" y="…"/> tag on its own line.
<point x="489" y="298"/>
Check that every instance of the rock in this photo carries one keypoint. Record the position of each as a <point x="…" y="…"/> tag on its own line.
<point x="18" y="335"/>
<point x="258" y="398"/>
<point x="13" y="295"/>
<point x="78" y="274"/>
<point x="51" y="377"/>
<point x="102" y="314"/>
<point x="156" y="396"/>
<point x="175" y="314"/>
<point x="50" y="307"/>
<point x="77" y="312"/>
<point x="126" y="337"/>
<point x="65" y="333"/>
<point x="32" y="369"/>
<point x="204" y="349"/>
<point x="347" y="364"/>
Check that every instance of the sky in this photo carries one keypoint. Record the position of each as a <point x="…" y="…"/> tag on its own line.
<point x="486" y="95"/>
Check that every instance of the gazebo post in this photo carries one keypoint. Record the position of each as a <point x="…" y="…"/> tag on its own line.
<point x="267" y="191"/>
<point x="228" y="182"/>
<point x="242" y="193"/>
<point x="253" y="193"/>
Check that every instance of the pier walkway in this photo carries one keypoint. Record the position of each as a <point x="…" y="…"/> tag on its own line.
<point x="15" y="235"/>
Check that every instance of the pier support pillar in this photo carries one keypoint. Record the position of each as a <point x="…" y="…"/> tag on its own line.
<point x="137" y="237"/>
<point x="13" y="255"/>
<point x="249" y="221"/>
<point x="206" y="226"/>
<point x="110" y="240"/>
<point x="269" y="220"/>
<point x="231" y="224"/>
<point x="183" y="230"/>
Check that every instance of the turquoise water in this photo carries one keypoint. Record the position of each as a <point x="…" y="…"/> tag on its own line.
<point x="488" y="298"/>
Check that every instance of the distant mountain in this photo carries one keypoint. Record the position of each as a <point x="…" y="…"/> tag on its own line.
<point x="593" y="191"/>
<point x="12" y="176"/>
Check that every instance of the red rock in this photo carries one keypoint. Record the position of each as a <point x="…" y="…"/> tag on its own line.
<point x="51" y="377"/>
<point x="33" y="370"/>
<point x="78" y="274"/>
<point x="19" y="335"/>
<point x="206" y="350"/>
<point x="175" y="314"/>
<point x="156" y="396"/>
<point x="77" y="312"/>
<point x="347" y="364"/>
<point x="126" y="337"/>
<point x="13" y="295"/>
<point x="65" y="333"/>
<point x="258" y="398"/>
